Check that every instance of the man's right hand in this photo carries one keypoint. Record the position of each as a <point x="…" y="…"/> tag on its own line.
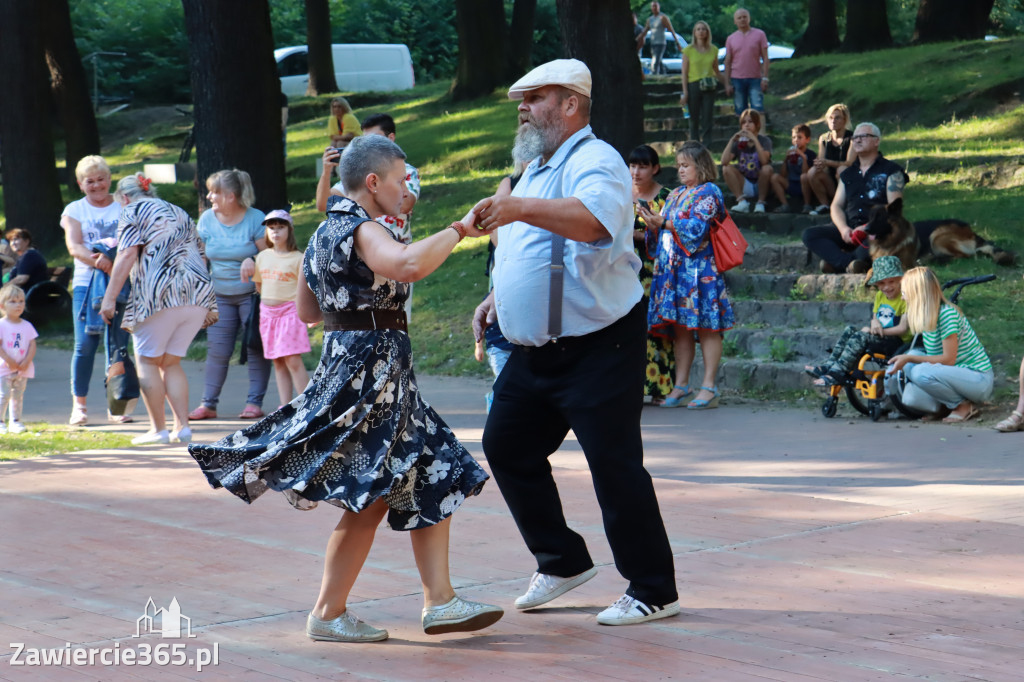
<point x="484" y="316"/>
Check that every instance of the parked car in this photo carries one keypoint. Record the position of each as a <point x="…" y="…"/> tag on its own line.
<point x="673" y="58"/>
<point x="358" y="67"/>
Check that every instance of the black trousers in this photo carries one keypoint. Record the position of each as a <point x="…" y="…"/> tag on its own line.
<point x="593" y="385"/>
<point x="825" y="242"/>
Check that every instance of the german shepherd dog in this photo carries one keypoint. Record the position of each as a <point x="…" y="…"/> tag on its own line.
<point x="893" y="235"/>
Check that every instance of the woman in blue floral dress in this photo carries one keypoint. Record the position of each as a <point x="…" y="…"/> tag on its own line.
<point x="360" y="437"/>
<point x="688" y="294"/>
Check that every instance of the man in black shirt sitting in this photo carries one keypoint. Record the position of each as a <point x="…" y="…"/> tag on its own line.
<point x="870" y="181"/>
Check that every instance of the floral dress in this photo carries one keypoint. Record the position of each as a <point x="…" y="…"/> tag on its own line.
<point x="687" y="289"/>
<point x="659" y="374"/>
<point x="360" y="431"/>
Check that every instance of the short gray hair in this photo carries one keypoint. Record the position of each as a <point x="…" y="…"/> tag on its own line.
<point x="364" y="155"/>
<point x="874" y="129"/>
<point x="135" y="187"/>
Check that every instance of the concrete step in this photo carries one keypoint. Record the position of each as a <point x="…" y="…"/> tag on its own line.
<point x="792" y="257"/>
<point x="832" y="287"/>
<point x="782" y="344"/>
<point x="760" y="376"/>
<point x="769" y="222"/>
<point x="667" y="109"/>
<point x="785" y="313"/>
<point x="662" y="87"/>
<point x="760" y="286"/>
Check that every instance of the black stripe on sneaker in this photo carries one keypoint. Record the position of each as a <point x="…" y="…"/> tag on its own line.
<point x="643" y="608"/>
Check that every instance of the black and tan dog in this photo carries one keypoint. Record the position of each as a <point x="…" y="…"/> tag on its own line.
<point x="928" y="240"/>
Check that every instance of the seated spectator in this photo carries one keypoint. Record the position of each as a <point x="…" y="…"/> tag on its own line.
<point x="872" y="180"/>
<point x="955" y="372"/>
<point x="886" y="332"/>
<point x="30" y="267"/>
<point x="751" y="176"/>
<point x="835" y="153"/>
<point x="343" y="125"/>
<point x="793" y="179"/>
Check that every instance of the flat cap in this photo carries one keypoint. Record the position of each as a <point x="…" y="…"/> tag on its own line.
<point x="569" y="73"/>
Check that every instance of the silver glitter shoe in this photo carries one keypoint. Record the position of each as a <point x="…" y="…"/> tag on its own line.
<point x="459" y="615"/>
<point x="344" y="628"/>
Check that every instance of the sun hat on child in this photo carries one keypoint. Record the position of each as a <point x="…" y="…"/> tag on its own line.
<point x="278" y="214"/>
<point x="885" y="267"/>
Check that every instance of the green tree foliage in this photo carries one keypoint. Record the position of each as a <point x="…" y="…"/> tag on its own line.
<point x="151" y="33"/>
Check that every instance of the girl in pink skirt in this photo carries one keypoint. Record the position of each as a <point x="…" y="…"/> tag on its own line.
<point x="284" y="336"/>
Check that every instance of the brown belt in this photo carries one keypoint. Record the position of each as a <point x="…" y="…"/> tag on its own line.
<point x="350" y="320"/>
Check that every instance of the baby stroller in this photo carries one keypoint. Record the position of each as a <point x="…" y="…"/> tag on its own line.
<point x="873" y="393"/>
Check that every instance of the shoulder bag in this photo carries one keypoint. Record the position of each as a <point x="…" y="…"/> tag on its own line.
<point x="727" y="243"/>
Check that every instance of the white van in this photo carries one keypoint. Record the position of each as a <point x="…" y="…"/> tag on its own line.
<point x="357" y="68"/>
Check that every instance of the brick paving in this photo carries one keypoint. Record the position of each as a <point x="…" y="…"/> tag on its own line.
<point x="806" y="549"/>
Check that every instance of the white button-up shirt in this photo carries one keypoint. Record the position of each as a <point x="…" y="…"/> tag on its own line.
<point x="601" y="283"/>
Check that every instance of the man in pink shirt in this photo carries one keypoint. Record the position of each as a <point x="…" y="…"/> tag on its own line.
<point x="746" y="64"/>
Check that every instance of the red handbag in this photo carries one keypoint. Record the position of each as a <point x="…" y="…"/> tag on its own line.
<point x="727" y="243"/>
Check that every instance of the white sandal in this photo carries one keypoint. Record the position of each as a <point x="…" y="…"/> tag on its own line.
<point x="1015" y="422"/>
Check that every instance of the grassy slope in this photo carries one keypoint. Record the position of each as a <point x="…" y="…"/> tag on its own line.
<point x="950" y="112"/>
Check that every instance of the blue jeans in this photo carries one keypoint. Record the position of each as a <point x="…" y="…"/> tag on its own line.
<point x="930" y="383"/>
<point x="86" y="345"/>
<point x="746" y="94"/>
<point x="220" y="344"/>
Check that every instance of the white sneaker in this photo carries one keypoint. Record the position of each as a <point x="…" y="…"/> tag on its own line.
<point x="759" y="208"/>
<point x="821" y="210"/>
<point x="157" y="438"/>
<point x="544" y="587"/>
<point x="627" y="611"/>
<point x="742" y="206"/>
<point x="78" y="416"/>
<point x="182" y="436"/>
<point x="17" y="427"/>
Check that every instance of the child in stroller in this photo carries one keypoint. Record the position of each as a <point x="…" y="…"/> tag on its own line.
<point x="885" y="334"/>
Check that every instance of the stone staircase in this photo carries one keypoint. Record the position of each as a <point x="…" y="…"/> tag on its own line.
<point x="787" y="314"/>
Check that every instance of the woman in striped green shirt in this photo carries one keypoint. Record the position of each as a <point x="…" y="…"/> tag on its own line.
<point x="955" y="370"/>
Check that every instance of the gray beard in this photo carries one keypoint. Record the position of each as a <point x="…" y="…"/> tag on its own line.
<point x="529" y="144"/>
<point x="535" y="140"/>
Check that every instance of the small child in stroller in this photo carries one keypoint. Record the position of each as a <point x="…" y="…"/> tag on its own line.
<point x="887" y="331"/>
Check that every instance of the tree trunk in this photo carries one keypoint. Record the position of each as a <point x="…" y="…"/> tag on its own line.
<point x="318" y="39"/>
<point x="600" y="34"/>
<point x="482" y="48"/>
<point x="237" y="94"/>
<point x="939" y="20"/>
<point x="31" y="190"/>
<point x="867" y="26"/>
<point x="69" y="86"/>
<point x="822" y="34"/>
<point x="520" y="38"/>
